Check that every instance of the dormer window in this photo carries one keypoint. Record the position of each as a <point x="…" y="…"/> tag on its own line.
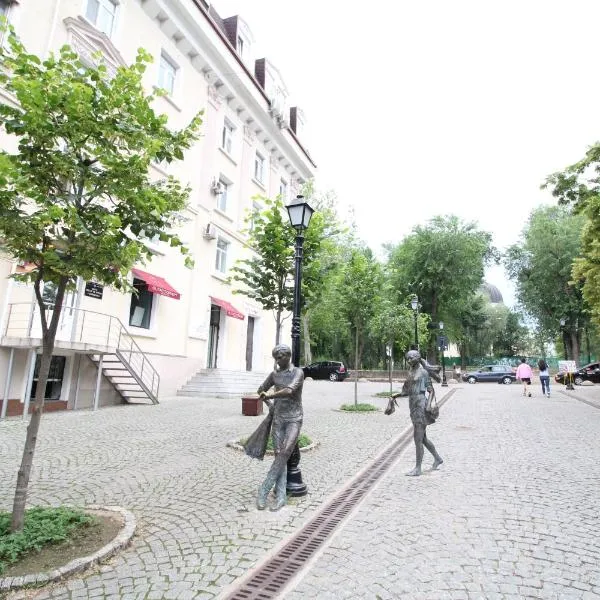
<point x="240" y="46"/>
<point x="102" y="15"/>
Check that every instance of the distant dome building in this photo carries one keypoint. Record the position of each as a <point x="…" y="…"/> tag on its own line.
<point x="492" y="292"/>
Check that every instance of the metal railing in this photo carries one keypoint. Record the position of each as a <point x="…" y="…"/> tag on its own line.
<point x="101" y="332"/>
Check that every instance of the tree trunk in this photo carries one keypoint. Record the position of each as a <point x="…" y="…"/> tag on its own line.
<point x="306" y="339"/>
<point x="587" y="345"/>
<point x="356" y="362"/>
<point x="278" y="327"/>
<point x="575" y="346"/>
<point x="48" y="338"/>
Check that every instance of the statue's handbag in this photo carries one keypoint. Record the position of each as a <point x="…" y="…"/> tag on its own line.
<point x="432" y="410"/>
<point x="391" y="407"/>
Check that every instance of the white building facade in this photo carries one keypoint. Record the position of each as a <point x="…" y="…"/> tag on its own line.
<point x="183" y="320"/>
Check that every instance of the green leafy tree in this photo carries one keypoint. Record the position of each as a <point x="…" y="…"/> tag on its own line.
<point x="578" y="186"/>
<point x="76" y="195"/>
<point x="267" y="276"/>
<point x="541" y="267"/>
<point x="361" y="284"/>
<point x="443" y="263"/>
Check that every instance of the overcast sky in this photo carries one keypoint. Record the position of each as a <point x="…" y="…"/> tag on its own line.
<point x="421" y="108"/>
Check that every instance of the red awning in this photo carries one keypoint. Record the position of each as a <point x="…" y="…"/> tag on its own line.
<point x="230" y="310"/>
<point x="156" y="284"/>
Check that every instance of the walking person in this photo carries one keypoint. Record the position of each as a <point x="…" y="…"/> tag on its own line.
<point x="417" y="384"/>
<point x="544" y="377"/>
<point x="524" y="373"/>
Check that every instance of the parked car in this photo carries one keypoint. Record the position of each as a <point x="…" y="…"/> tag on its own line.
<point x="590" y="372"/>
<point x="500" y="373"/>
<point x="326" y="369"/>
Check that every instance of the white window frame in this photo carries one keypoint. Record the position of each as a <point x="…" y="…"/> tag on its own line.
<point x="102" y="4"/>
<point x="256" y="208"/>
<point x="240" y="45"/>
<point x="227" y="137"/>
<point x="222" y="251"/>
<point x="259" y="167"/>
<point x="172" y="69"/>
<point x="138" y="329"/>
<point x="223" y="197"/>
<point x="284" y="189"/>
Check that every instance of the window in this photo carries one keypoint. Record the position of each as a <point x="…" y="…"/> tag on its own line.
<point x="259" y="167"/>
<point x="283" y="190"/>
<point x="256" y="208"/>
<point x="227" y="137"/>
<point x="223" y="196"/>
<point x="140" y="310"/>
<point x="102" y="14"/>
<point x="167" y="71"/>
<point x="221" y="259"/>
<point x="240" y="46"/>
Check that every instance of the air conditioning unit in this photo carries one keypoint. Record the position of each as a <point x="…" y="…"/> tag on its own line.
<point x="216" y="187"/>
<point x="210" y="233"/>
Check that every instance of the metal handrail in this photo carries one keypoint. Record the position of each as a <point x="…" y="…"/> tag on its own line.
<point x="85" y="326"/>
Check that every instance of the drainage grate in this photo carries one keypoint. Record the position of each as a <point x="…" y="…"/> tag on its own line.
<point x="270" y="579"/>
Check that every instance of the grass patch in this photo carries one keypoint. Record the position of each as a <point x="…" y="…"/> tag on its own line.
<point x="303" y="441"/>
<point x="360" y="407"/>
<point x="42" y="527"/>
<point x="386" y="394"/>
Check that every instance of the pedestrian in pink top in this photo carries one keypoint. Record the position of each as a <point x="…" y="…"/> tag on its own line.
<point x="524" y="373"/>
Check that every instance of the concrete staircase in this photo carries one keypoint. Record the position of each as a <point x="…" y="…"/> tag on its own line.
<point x="221" y="383"/>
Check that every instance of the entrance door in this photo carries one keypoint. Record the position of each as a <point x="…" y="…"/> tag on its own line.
<point x="55" y="377"/>
<point x="249" y="343"/>
<point x="213" y="335"/>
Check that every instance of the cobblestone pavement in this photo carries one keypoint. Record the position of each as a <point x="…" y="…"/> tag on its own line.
<point x="198" y="528"/>
<point x="513" y="512"/>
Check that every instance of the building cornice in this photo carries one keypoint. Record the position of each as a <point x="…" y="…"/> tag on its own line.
<point x="211" y="54"/>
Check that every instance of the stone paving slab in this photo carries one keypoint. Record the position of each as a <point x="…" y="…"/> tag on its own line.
<point x="513" y="513"/>
<point x="193" y="497"/>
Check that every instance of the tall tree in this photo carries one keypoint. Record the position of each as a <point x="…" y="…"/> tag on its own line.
<point x="443" y="263"/>
<point x="76" y="195"/>
<point x="267" y="275"/>
<point x="541" y="267"/>
<point x="578" y="186"/>
<point x="361" y="285"/>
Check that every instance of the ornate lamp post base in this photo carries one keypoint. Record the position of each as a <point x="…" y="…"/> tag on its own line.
<point x="295" y="487"/>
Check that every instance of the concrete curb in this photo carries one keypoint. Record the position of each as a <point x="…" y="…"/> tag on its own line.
<point x="79" y="564"/>
<point x="237" y="446"/>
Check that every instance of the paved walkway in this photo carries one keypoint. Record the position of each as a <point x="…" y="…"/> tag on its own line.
<point x="513" y="513"/>
<point x="193" y="496"/>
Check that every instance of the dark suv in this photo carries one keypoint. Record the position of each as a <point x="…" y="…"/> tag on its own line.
<point x="327" y="369"/>
<point x="500" y="373"/>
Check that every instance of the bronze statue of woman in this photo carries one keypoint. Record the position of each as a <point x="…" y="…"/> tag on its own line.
<point x="416" y="387"/>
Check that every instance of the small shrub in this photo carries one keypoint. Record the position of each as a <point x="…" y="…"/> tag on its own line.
<point x="361" y="407"/>
<point x="303" y="441"/>
<point x="42" y="526"/>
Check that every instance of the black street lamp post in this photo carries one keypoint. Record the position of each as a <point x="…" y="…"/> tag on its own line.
<point x="414" y="303"/>
<point x="442" y="348"/>
<point x="299" y="213"/>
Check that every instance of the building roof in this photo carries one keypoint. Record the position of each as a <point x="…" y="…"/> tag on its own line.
<point x="492" y="292"/>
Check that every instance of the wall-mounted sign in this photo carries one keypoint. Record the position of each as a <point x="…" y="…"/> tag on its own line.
<point x="93" y="290"/>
